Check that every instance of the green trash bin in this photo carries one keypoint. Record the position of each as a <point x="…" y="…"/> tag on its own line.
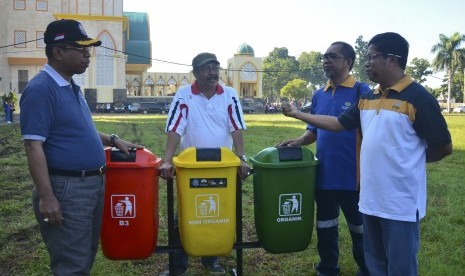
<point x="284" y="192"/>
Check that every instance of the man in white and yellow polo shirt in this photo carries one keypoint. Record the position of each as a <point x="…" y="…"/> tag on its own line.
<point x="402" y="128"/>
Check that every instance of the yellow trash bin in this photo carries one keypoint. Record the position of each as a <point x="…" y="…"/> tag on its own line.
<point x="206" y="195"/>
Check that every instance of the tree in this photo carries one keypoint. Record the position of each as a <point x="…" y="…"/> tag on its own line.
<point x="419" y="69"/>
<point x="438" y="91"/>
<point x="295" y="89"/>
<point x="10" y="97"/>
<point x="279" y="68"/>
<point x="311" y="68"/>
<point x="361" y="49"/>
<point x="448" y="57"/>
<point x="457" y="87"/>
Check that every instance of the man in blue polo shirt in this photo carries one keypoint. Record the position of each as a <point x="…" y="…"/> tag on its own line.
<point x="204" y="114"/>
<point x="65" y="152"/>
<point x="337" y="185"/>
<point x="402" y="128"/>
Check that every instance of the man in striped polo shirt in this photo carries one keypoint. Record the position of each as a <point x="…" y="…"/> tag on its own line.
<point x="204" y="115"/>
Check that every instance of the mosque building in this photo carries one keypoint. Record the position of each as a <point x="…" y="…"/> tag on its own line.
<point x="118" y="70"/>
<point x="243" y="72"/>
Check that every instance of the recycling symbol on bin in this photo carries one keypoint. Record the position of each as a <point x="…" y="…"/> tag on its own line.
<point x="207" y="205"/>
<point x="290" y="204"/>
<point x="123" y="206"/>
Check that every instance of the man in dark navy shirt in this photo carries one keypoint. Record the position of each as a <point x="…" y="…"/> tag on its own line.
<point x="65" y="152"/>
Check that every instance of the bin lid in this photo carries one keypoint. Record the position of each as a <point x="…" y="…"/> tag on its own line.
<point x="284" y="157"/>
<point x="137" y="158"/>
<point x="206" y="158"/>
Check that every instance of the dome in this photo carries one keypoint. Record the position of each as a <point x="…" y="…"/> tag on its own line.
<point x="245" y="49"/>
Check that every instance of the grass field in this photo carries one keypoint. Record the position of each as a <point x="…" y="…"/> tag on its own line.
<point x="22" y="252"/>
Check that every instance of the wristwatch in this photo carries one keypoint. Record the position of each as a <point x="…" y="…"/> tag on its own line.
<point x="243" y="157"/>
<point x="113" y="138"/>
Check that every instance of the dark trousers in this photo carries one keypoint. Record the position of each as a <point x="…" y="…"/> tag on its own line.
<point x="181" y="259"/>
<point x="329" y="203"/>
<point x="391" y="246"/>
<point x="72" y="246"/>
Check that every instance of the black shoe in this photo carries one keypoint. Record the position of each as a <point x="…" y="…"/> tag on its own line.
<point x="214" y="267"/>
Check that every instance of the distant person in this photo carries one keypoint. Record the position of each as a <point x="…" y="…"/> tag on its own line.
<point x="337" y="184"/>
<point x="402" y="128"/>
<point x="12" y="111"/>
<point x="65" y="152"/>
<point x="267" y="108"/>
<point x="6" y="108"/>
<point x="271" y="109"/>
<point x="204" y="115"/>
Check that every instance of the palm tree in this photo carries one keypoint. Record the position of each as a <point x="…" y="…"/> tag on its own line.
<point x="448" y="57"/>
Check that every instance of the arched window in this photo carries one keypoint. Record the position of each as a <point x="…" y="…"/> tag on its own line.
<point x="160" y="81"/>
<point x="135" y="88"/>
<point x="172" y="86"/>
<point x="172" y="81"/>
<point x="149" y="81"/>
<point x="148" y="86"/>
<point x="184" y="81"/>
<point x="105" y="63"/>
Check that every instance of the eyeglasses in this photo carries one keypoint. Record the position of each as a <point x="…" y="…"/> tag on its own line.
<point x="370" y="58"/>
<point x="209" y="68"/>
<point x="331" y="56"/>
<point x="83" y="50"/>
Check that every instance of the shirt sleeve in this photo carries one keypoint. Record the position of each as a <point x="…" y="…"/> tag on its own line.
<point x="430" y="124"/>
<point x="177" y="116"/>
<point x="236" y="117"/>
<point x="37" y="108"/>
<point x="364" y="88"/>
<point x="312" y="111"/>
<point x="350" y="119"/>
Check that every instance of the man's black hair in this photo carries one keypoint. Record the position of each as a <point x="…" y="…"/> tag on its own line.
<point x="48" y="50"/>
<point x="347" y="51"/>
<point x="392" y="43"/>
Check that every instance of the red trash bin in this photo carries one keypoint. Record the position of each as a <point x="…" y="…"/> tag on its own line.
<point x="130" y="214"/>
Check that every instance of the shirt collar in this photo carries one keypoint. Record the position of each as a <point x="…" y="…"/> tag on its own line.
<point x="349" y="83"/>
<point x="55" y="75"/>
<point x="398" y="87"/>
<point x="195" y="89"/>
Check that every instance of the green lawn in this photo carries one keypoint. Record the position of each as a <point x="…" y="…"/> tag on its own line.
<point x="22" y="252"/>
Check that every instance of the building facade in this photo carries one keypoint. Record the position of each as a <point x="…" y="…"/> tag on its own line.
<point x="23" y="22"/>
<point x="118" y="70"/>
<point x="243" y="72"/>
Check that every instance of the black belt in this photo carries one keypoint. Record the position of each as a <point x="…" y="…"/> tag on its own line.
<point x="100" y="171"/>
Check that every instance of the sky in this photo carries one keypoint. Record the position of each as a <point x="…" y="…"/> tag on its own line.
<point x="181" y="29"/>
